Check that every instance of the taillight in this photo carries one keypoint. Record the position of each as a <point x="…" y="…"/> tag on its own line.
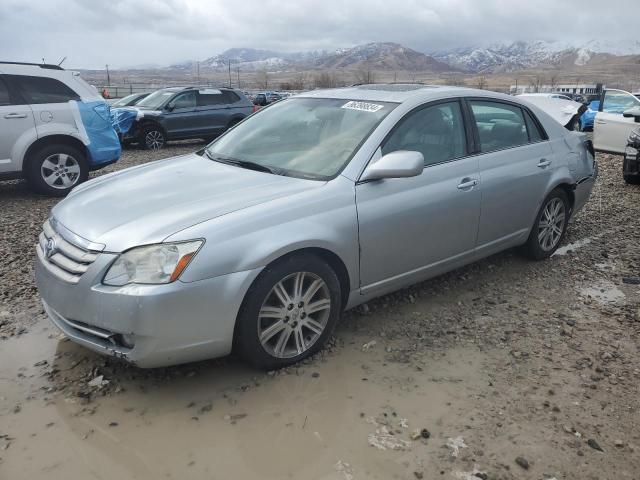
<point x="255" y="108"/>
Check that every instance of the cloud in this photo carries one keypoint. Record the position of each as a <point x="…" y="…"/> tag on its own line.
<point x="129" y="32"/>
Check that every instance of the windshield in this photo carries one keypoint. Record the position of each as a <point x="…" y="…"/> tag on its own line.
<point x="125" y="101"/>
<point x="306" y="137"/>
<point x="156" y="99"/>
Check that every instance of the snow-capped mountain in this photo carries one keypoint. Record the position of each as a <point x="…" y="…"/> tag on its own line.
<point x="513" y="56"/>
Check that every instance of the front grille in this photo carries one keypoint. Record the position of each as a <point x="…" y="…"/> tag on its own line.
<point x="62" y="258"/>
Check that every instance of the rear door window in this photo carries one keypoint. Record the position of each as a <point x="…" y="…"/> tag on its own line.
<point x="616" y="101"/>
<point x="4" y="94"/>
<point x="36" y="90"/>
<point x="500" y="125"/>
<point x="231" y="97"/>
<point x="211" y="97"/>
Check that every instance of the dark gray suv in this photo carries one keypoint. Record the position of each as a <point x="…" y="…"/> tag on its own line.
<point x="178" y="113"/>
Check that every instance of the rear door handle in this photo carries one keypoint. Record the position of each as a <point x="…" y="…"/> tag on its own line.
<point x="467" y="183"/>
<point x="15" y="115"/>
<point x="543" y="163"/>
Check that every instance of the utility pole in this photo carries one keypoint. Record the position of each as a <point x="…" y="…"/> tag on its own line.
<point x="229" y="73"/>
<point x="108" y="77"/>
<point x="238" y="72"/>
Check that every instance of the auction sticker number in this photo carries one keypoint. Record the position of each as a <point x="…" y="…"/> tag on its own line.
<point x="362" y="106"/>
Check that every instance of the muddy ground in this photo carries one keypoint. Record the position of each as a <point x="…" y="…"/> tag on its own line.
<point x="505" y="369"/>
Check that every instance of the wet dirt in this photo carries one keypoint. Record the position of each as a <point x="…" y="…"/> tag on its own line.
<point x="520" y="368"/>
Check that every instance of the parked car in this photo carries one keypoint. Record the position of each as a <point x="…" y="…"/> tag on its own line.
<point x="130" y="100"/>
<point x="589" y="116"/>
<point x="565" y="111"/>
<point x="54" y="127"/>
<point x="314" y="205"/>
<point x="611" y="127"/>
<point x="631" y="162"/>
<point x="561" y="96"/>
<point x="185" y="112"/>
<point x="265" y="98"/>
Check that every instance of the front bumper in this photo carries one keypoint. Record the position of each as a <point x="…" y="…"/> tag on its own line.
<point x="631" y="162"/>
<point x="168" y="324"/>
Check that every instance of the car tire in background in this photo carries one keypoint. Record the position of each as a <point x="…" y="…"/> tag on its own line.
<point x="289" y="312"/>
<point x="152" y="137"/>
<point x="55" y="169"/>
<point x="550" y="226"/>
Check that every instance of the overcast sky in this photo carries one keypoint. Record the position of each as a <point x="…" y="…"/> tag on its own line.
<point x="92" y="33"/>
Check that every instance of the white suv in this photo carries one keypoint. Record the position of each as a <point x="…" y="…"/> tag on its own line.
<point x="54" y="127"/>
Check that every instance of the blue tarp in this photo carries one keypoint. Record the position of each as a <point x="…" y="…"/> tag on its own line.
<point x="104" y="145"/>
<point x="122" y="119"/>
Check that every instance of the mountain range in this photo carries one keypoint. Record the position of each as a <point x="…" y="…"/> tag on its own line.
<point x="387" y="56"/>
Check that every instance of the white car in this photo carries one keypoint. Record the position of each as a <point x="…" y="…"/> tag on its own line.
<point x="564" y="110"/>
<point x="54" y="127"/>
<point x="612" y="127"/>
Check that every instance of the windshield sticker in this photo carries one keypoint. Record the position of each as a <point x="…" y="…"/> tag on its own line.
<point x="362" y="106"/>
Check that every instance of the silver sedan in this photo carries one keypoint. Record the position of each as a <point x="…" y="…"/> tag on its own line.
<point x="311" y="206"/>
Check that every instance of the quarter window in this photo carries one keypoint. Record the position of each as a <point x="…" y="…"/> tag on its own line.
<point x="436" y="131"/>
<point x="500" y="125"/>
<point x="4" y="94"/>
<point x="37" y="90"/>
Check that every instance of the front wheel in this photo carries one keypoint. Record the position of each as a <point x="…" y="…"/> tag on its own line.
<point x="152" y="138"/>
<point x="549" y="227"/>
<point x="289" y="312"/>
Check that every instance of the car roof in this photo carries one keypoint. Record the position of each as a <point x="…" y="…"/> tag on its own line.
<point x="182" y="89"/>
<point x="400" y="93"/>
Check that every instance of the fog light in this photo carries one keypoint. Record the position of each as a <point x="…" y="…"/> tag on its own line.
<point x="128" y="341"/>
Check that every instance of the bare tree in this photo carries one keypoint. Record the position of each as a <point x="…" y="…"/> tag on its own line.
<point x="365" y="76"/>
<point x="298" y="81"/>
<point x="536" y="83"/>
<point x="482" y="82"/>
<point x="325" y="80"/>
<point x="455" y="80"/>
<point x="553" y="81"/>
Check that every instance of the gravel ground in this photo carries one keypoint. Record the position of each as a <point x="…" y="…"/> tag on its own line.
<point x="522" y="369"/>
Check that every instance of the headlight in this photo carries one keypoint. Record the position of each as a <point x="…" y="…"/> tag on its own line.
<point x="161" y="263"/>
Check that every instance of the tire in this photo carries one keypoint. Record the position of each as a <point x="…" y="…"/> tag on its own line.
<point x="574" y="124"/>
<point x="632" y="179"/>
<point x="55" y="169"/>
<point x="287" y="333"/>
<point x="539" y="247"/>
<point x="233" y="123"/>
<point x="152" y="137"/>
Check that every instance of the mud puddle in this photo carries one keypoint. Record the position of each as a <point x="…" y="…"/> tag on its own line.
<point x="230" y="421"/>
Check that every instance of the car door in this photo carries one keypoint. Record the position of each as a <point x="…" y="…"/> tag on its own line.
<point x="180" y="119"/>
<point x="212" y="111"/>
<point x="610" y="128"/>
<point x="410" y="228"/>
<point x="16" y="120"/>
<point x="48" y="99"/>
<point x="515" y="163"/>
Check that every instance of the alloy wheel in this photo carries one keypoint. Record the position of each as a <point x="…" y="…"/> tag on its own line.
<point x="60" y="171"/>
<point x="294" y="315"/>
<point x="154" y="139"/>
<point x="551" y="224"/>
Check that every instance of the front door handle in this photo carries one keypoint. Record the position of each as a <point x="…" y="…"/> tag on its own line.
<point x="544" y="163"/>
<point x="15" y="115"/>
<point x="467" y="183"/>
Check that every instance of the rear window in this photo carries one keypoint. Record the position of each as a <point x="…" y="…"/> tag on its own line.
<point x="42" y="89"/>
<point x="4" y="94"/>
<point x="231" y="97"/>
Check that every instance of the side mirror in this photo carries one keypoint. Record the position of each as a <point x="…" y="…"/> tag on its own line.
<point x="170" y="108"/>
<point x="633" y="112"/>
<point x="398" y="164"/>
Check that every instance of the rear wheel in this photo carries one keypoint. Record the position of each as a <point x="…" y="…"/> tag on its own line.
<point x="289" y="312"/>
<point x="55" y="169"/>
<point x="549" y="227"/>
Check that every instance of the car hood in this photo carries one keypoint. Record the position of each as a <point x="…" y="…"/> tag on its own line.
<point x="148" y="203"/>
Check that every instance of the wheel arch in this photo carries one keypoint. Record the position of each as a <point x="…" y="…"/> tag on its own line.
<point x="53" y="140"/>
